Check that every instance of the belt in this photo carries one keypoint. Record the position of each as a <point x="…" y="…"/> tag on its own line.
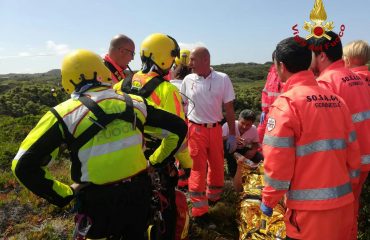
<point x="207" y="125"/>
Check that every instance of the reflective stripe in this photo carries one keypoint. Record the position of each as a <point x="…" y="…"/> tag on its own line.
<point x="365" y="159"/>
<point x="215" y="187"/>
<point x="354" y="173"/>
<point x="321" y="145"/>
<point x="361" y="116"/>
<point x="265" y="105"/>
<point x="352" y="136"/>
<point x="200" y="204"/>
<point x="282" y="142"/>
<point x="197" y="194"/>
<point x="320" y="193"/>
<point x="19" y="154"/>
<point x="277" y="184"/>
<point x="86" y="154"/>
<point x="273" y="94"/>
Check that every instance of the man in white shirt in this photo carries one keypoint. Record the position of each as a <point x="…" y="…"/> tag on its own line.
<point x="209" y="91"/>
<point x="246" y="138"/>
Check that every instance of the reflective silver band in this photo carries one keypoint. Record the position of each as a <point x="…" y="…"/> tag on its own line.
<point x="277" y="184"/>
<point x="361" y="116"/>
<point x="282" y="142"/>
<point x="319" y="146"/>
<point x="321" y="193"/>
<point x="197" y="194"/>
<point x="200" y="204"/>
<point x="354" y="173"/>
<point x="365" y="159"/>
<point x="352" y="136"/>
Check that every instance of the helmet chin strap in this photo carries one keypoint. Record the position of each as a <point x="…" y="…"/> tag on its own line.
<point x="150" y="66"/>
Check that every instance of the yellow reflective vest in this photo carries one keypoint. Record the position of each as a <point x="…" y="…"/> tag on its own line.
<point x="113" y="154"/>
<point x="166" y="96"/>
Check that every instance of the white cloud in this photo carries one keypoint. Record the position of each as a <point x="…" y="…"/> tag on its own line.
<point x="57" y="49"/>
<point x="191" y="46"/>
<point x="24" y="54"/>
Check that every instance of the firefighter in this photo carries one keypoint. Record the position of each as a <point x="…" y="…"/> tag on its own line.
<point x="335" y="77"/>
<point x="356" y="54"/>
<point x="208" y="90"/>
<point x="103" y="131"/>
<point x="121" y="53"/>
<point x="158" y="52"/>
<point x="310" y="152"/>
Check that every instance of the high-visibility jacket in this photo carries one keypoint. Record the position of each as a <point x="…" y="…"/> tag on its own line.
<point x="113" y="154"/>
<point x="310" y="148"/>
<point x="272" y="89"/>
<point x="165" y="96"/>
<point x="355" y="93"/>
<point x="117" y="72"/>
<point x="363" y="72"/>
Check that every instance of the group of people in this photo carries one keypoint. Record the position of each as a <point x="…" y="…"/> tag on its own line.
<point x="125" y="131"/>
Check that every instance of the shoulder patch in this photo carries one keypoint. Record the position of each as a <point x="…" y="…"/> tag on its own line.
<point x="271" y="122"/>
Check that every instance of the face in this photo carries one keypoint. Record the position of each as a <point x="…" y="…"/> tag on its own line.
<point x="279" y="71"/>
<point x="126" y="54"/>
<point x="198" y="63"/>
<point x="244" y="125"/>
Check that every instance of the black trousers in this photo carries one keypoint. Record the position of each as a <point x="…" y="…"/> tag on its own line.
<point x="117" y="211"/>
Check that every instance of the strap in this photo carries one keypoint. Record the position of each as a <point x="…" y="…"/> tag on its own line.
<point x="113" y="70"/>
<point x="67" y="135"/>
<point x="104" y="119"/>
<point x="149" y="87"/>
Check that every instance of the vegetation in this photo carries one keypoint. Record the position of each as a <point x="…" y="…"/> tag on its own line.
<point x="24" y="98"/>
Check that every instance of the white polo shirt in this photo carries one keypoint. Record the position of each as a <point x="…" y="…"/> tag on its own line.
<point x="207" y="96"/>
<point x="249" y="136"/>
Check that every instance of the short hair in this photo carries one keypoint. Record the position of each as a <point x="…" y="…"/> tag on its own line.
<point x="248" y="115"/>
<point x="332" y="48"/>
<point x="294" y="53"/>
<point x="359" y="50"/>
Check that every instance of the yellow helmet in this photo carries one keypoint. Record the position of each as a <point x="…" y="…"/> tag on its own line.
<point x="161" y="49"/>
<point x="83" y="65"/>
<point x="184" y="58"/>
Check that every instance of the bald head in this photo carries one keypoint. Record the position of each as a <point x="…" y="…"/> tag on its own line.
<point x="121" y="50"/>
<point x="200" y="61"/>
<point x="119" y="41"/>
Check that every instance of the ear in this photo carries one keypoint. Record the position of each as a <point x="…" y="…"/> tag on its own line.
<point x="322" y="57"/>
<point x="283" y="68"/>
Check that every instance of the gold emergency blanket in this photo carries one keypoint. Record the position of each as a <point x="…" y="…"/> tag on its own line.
<point x="252" y="223"/>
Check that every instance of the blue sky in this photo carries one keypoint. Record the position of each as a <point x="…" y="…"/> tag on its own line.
<point x="36" y="34"/>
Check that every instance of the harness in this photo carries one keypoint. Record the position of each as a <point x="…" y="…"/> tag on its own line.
<point x="100" y="123"/>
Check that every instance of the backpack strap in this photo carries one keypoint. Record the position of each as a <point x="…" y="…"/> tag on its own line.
<point x="104" y="119"/>
<point x="149" y="87"/>
<point x="68" y="137"/>
<point x="113" y="70"/>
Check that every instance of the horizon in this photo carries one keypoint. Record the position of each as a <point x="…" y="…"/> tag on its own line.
<point x="234" y="32"/>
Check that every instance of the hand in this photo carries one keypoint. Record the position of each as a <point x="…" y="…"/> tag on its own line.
<point x="78" y="186"/>
<point x="266" y="210"/>
<point x="231" y="143"/>
<point x="262" y="117"/>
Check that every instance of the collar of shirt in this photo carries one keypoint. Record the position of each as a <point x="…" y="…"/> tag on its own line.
<point x="360" y="69"/>
<point x="334" y="65"/>
<point x="303" y="78"/>
<point x="115" y="65"/>
<point x="210" y="76"/>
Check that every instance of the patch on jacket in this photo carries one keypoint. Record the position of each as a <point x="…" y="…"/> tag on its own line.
<point x="271" y="122"/>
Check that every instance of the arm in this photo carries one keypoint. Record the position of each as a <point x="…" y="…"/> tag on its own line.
<point x="173" y="130"/>
<point x="230" y="116"/>
<point x="35" y="152"/>
<point x="279" y="153"/>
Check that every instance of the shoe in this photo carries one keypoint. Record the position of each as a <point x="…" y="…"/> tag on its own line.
<point x="204" y="221"/>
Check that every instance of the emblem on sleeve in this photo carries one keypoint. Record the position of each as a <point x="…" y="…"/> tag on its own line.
<point x="271" y="122"/>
